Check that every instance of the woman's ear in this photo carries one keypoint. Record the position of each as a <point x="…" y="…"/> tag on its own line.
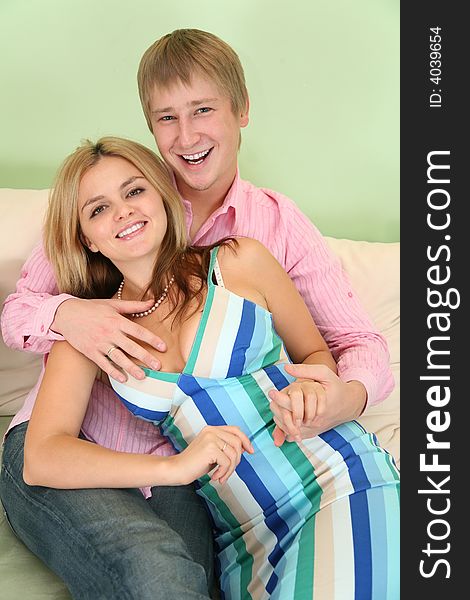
<point x="87" y="243"/>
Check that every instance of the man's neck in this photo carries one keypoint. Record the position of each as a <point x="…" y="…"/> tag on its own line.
<point x="199" y="218"/>
<point x="204" y="202"/>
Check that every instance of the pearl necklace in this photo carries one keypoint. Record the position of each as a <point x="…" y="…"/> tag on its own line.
<point x="157" y="303"/>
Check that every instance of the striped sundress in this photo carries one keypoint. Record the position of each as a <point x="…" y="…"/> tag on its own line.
<point x="317" y="519"/>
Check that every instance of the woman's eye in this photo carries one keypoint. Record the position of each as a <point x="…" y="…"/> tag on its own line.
<point x="204" y="109"/>
<point x="135" y="192"/>
<point x="97" y="210"/>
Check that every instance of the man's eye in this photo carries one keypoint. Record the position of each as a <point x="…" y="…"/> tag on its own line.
<point x="167" y="118"/>
<point x="97" y="210"/>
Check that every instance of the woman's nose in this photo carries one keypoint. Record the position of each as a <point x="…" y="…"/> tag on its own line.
<point x="123" y="210"/>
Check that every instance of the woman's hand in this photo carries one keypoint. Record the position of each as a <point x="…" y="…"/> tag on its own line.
<point x="316" y="402"/>
<point x="295" y="406"/>
<point x="220" y="447"/>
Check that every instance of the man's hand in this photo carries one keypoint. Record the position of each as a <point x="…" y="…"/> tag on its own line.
<point x="317" y="401"/>
<point x="94" y="327"/>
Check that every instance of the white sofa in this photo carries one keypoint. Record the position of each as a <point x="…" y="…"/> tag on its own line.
<point x="374" y="272"/>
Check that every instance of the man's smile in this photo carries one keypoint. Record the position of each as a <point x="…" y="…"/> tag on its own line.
<point x="197" y="158"/>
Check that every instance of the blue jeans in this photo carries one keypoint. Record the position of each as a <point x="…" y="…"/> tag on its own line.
<point x="111" y="543"/>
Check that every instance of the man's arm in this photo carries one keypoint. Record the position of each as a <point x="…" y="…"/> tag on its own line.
<point x="359" y="349"/>
<point x="35" y="315"/>
<point x="29" y="312"/>
<point x="364" y="376"/>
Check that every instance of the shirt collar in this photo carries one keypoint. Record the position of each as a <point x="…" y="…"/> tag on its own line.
<point x="230" y="200"/>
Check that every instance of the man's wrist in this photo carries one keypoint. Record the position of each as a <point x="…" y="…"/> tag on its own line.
<point x="43" y="319"/>
<point x="55" y="326"/>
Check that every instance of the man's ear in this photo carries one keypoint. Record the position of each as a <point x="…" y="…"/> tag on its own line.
<point x="244" y="117"/>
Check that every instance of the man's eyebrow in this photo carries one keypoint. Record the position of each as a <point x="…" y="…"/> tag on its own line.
<point x="121" y="187"/>
<point x="169" y="109"/>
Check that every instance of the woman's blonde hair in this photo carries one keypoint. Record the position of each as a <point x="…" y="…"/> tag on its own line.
<point x="179" y="55"/>
<point x="87" y="274"/>
<point x="78" y="270"/>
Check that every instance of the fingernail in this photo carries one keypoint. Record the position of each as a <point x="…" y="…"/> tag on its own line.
<point x="155" y="365"/>
<point x="161" y="347"/>
<point x="121" y="378"/>
<point x="138" y="374"/>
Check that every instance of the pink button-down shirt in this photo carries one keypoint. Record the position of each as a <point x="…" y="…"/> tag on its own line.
<point x="273" y="219"/>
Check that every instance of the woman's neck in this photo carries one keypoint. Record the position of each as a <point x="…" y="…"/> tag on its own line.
<point x="132" y="290"/>
<point x="137" y="278"/>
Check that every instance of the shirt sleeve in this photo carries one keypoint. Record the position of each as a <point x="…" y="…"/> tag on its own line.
<point x="359" y="349"/>
<point x="28" y="313"/>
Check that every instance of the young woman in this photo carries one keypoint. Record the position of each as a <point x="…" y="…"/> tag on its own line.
<point x="316" y="518"/>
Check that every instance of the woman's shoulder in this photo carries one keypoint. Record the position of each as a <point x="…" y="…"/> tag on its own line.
<point x="246" y="253"/>
<point x="242" y="248"/>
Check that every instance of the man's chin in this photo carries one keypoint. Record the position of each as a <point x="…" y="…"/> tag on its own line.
<point x="193" y="184"/>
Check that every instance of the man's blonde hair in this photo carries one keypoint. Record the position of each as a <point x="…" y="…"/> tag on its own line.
<point x="79" y="271"/>
<point x="179" y="55"/>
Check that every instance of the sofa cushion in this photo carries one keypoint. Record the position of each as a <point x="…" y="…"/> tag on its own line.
<point x="22" y="218"/>
<point x="374" y="270"/>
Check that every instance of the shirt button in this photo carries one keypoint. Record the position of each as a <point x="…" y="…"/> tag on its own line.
<point x="42" y="328"/>
<point x="350" y="294"/>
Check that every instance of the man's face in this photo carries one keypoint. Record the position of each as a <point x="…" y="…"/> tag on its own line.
<point x="197" y="134"/>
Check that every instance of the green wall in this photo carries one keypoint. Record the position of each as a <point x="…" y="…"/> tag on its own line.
<point x="323" y="77"/>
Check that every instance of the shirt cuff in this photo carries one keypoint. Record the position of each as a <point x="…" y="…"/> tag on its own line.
<point x="45" y="315"/>
<point x="368" y="380"/>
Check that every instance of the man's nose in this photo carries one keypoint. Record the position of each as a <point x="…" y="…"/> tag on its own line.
<point x="188" y="135"/>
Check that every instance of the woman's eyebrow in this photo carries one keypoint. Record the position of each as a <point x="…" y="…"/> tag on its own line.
<point x="121" y="187"/>
<point x="130" y="180"/>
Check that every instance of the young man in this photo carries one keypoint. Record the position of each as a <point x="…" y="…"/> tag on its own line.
<point x="195" y="101"/>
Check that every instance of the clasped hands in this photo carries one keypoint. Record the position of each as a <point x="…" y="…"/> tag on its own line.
<point x="316" y="401"/>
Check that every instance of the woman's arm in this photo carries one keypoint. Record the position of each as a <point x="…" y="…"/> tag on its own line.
<point x="55" y="456"/>
<point x="316" y="401"/>
<point x="253" y="272"/>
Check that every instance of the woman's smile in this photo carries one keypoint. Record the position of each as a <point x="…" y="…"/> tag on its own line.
<point x="131" y="231"/>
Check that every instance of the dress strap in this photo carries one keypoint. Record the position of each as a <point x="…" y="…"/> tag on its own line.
<point x="215" y="274"/>
<point x="218" y="274"/>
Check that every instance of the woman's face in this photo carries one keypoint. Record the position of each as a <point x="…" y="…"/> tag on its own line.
<point x="121" y="215"/>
